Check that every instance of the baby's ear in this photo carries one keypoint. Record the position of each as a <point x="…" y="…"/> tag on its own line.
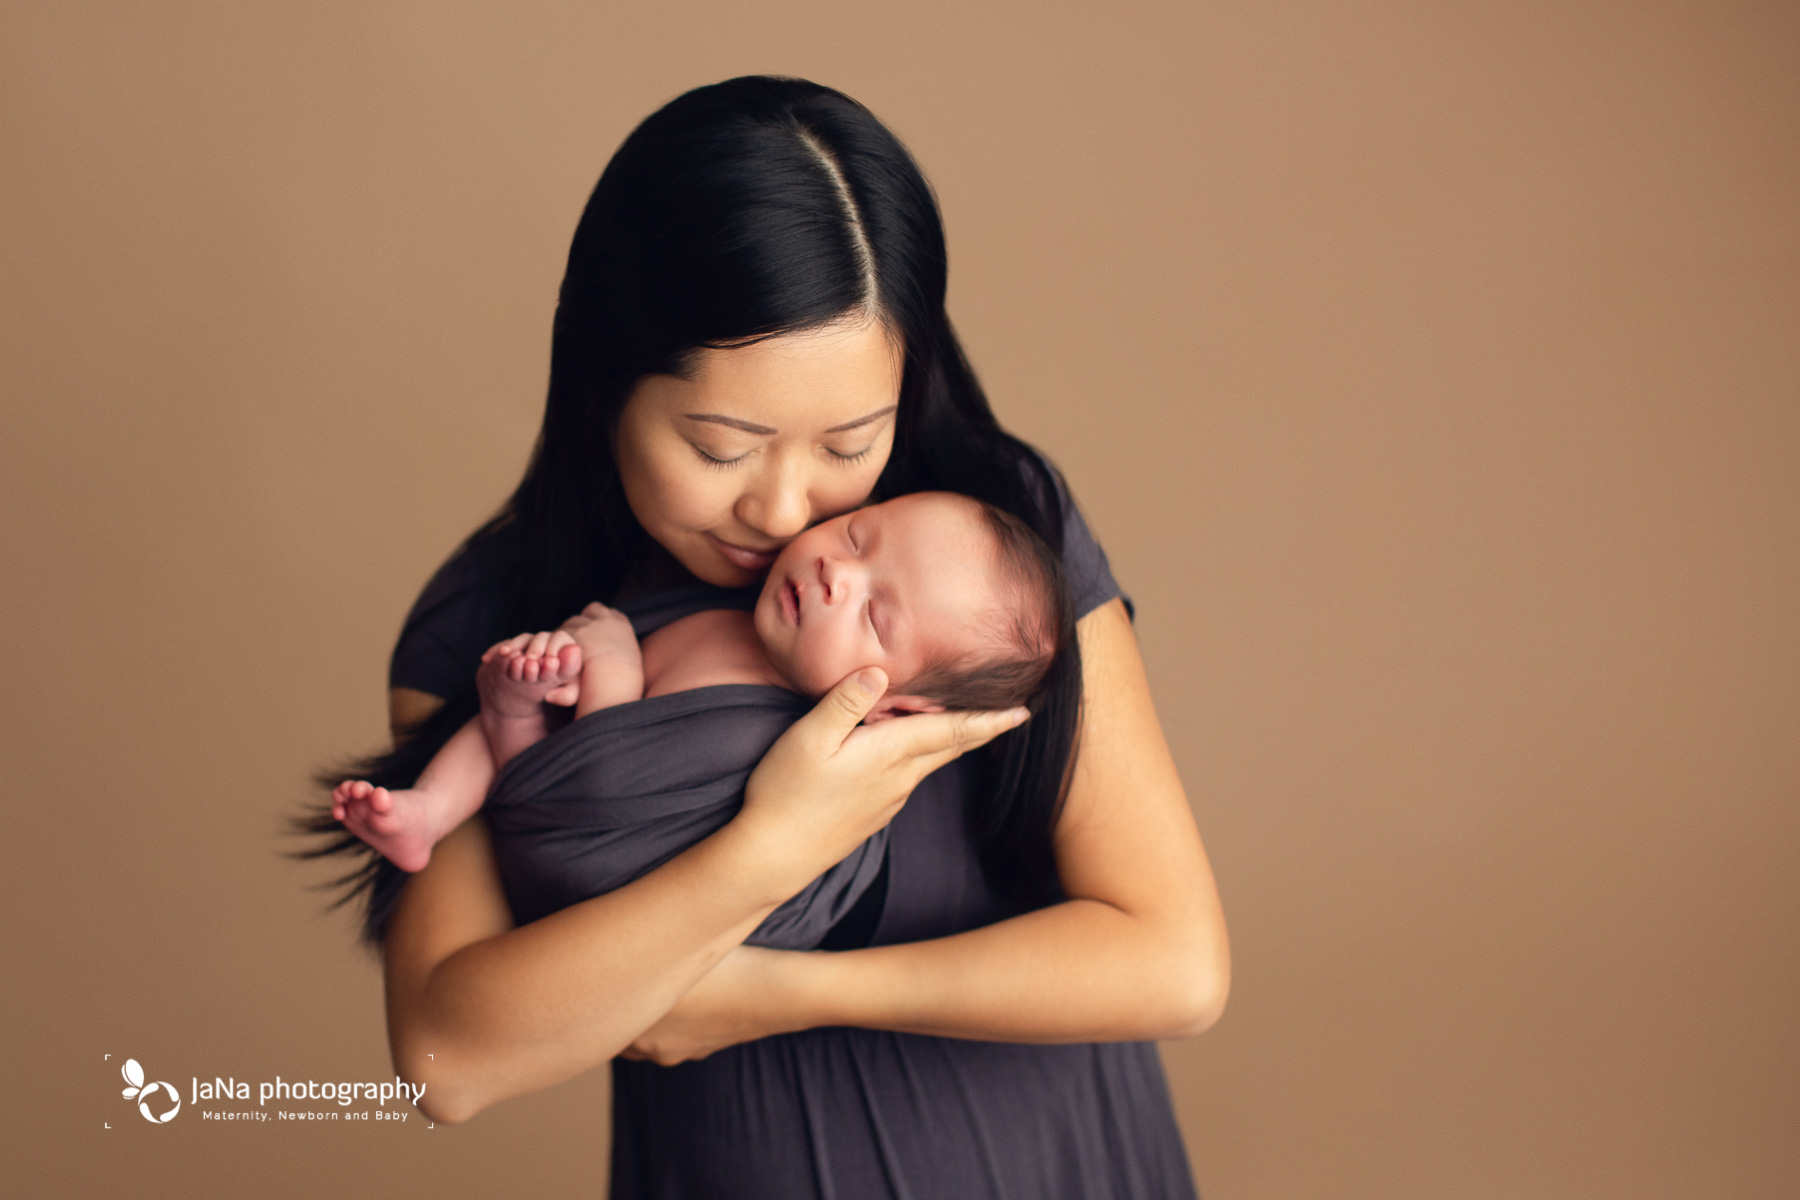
<point x="893" y="705"/>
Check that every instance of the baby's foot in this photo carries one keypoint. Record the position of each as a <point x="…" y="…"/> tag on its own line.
<point x="514" y="680"/>
<point x="397" y="823"/>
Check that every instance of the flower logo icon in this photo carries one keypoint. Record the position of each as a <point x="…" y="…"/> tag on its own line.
<point x="134" y="1075"/>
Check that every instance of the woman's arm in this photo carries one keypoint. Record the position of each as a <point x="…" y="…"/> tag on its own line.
<point x="1138" y="951"/>
<point x="479" y="1010"/>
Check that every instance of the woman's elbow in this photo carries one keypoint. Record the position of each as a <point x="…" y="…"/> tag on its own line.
<point x="447" y="1107"/>
<point x="441" y="1097"/>
<point x="438" y="1098"/>
<point x="1200" y="989"/>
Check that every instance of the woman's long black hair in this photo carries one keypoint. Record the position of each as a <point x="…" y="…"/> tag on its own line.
<point x="748" y="209"/>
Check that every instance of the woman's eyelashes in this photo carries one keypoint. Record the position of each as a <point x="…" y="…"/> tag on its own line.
<point x="716" y="463"/>
<point x="720" y="461"/>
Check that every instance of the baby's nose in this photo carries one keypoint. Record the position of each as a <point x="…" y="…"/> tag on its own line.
<point x="834" y="578"/>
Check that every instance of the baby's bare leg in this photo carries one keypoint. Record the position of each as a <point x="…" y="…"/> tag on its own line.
<point x="612" y="670"/>
<point x="514" y="680"/>
<point x="405" y="824"/>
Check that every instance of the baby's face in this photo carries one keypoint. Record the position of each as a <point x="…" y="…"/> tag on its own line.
<point x="898" y="586"/>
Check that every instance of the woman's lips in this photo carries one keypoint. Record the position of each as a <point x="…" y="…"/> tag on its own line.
<point x="742" y="556"/>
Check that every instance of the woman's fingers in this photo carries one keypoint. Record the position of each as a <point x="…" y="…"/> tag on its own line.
<point x="845" y="705"/>
<point x="936" y="738"/>
<point x="931" y="740"/>
<point x="854" y="697"/>
<point x="929" y="735"/>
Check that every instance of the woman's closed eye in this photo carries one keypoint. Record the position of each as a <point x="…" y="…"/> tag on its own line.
<point x="715" y="461"/>
<point x="849" y="457"/>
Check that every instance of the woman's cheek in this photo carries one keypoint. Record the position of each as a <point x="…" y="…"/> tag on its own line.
<point x="689" y="498"/>
<point x="849" y="495"/>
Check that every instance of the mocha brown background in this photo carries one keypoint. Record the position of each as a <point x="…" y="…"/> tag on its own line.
<point x="1431" y="373"/>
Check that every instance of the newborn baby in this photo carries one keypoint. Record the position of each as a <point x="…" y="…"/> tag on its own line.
<point x="952" y="598"/>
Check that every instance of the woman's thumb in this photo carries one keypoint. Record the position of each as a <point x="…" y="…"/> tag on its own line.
<point x="850" y="701"/>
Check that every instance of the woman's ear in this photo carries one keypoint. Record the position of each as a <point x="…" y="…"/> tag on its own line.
<point x="892" y="705"/>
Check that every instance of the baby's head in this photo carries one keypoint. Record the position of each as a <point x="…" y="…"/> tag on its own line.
<point x="961" y="604"/>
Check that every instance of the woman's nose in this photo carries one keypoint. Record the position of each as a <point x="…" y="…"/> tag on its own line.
<point x="778" y="506"/>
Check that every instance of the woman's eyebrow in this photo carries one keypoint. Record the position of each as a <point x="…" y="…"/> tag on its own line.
<point x="733" y="422"/>
<point x="765" y="431"/>
<point x="874" y="416"/>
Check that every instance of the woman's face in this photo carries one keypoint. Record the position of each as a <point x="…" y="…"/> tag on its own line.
<point x="724" y="467"/>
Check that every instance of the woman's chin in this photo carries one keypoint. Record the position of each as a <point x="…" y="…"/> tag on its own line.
<point x="705" y="563"/>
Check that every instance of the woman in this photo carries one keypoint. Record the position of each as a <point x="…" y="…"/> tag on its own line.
<point x="751" y="338"/>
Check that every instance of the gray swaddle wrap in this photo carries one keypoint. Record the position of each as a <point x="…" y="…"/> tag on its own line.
<point x="621" y="791"/>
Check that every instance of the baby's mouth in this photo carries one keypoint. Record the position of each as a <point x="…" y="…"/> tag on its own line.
<point x="790" y="601"/>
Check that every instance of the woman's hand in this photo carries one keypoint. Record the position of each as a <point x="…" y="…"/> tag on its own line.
<point x="829" y="782"/>
<point x="745" y="997"/>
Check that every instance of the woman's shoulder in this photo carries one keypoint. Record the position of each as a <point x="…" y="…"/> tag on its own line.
<point x="1085" y="563"/>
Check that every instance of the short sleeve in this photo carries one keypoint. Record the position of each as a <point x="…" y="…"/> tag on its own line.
<point x="1090" y="574"/>
<point x="452" y="622"/>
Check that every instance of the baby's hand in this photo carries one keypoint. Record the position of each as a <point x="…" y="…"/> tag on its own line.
<point x="613" y="663"/>
<point x="603" y="633"/>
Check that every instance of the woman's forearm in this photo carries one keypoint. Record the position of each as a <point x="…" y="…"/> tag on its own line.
<point x="1078" y="971"/>
<point x="526" y="1008"/>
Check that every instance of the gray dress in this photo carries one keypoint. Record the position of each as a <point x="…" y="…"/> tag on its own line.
<point x="861" y="1114"/>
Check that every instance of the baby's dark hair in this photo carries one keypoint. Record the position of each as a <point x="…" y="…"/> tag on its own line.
<point x="1035" y="621"/>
